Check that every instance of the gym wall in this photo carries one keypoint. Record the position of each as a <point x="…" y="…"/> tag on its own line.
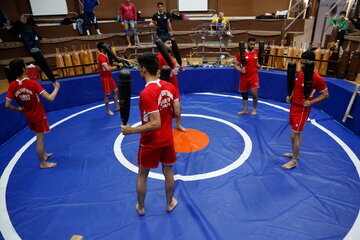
<point x="108" y="8"/>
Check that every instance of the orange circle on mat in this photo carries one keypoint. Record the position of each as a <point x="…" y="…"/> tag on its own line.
<point x="190" y="141"/>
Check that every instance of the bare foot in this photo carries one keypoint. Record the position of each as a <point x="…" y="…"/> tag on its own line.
<point x="289" y="155"/>
<point x="181" y="128"/>
<point x="117" y="109"/>
<point x="242" y="113"/>
<point x="253" y="112"/>
<point x="110" y="113"/>
<point x="172" y="205"/>
<point x="47" y="165"/>
<point x="129" y="45"/>
<point x="47" y="156"/>
<point x="140" y="211"/>
<point x="290" y="165"/>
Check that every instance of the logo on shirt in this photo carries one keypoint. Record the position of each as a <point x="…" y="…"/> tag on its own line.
<point x="165" y="99"/>
<point x="24" y="97"/>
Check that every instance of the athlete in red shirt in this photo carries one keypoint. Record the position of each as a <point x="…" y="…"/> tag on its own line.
<point x="249" y="78"/>
<point x="107" y="82"/>
<point x="27" y="93"/>
<point x="174" y="73"/>
<point x="301" y="107"/>
<point x="128" y="18"/>
<point x="159" y="103"/>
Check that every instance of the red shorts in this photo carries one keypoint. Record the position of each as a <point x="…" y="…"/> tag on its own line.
<point x="250" y="82"/>
<point x="298" y="117"/>
<point x="108" y="85"/>
<point x="40" y="127"/>
<point x="150" y="157"/>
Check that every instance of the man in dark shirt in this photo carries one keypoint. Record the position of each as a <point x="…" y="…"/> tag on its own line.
<point x="356" y="21"/>
<point x="25" y="27"/>
<point x="4" y="22"/>
<point x="161" y="19"/>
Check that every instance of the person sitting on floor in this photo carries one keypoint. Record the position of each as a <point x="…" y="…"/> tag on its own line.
<point x="221" y="23"/>
<point x="25" y="27"/>
<point x="341" y="25"/>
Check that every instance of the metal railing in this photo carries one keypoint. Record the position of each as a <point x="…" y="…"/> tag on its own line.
<point x="285" y="28"/>
<point x="326" y="18"/>
<point x="291" y="8"/>
<point x="351" y="103"/>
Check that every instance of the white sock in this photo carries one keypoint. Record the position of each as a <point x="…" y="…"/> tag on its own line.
<point x="98" y="31"/>
<point x="88" y="32"/>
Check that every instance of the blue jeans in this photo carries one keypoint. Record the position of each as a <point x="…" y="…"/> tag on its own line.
<point x="30" y="40"/>
<point x="220" y="26"/>
<point x="129" y="25"/>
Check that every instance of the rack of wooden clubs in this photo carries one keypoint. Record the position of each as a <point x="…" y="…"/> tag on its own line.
<point x="76" y="62"/>
<point x="349" y="64"/>
<point x="327" y="61"/>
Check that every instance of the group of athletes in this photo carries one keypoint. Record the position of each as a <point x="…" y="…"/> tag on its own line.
<point x="159" y="103"/>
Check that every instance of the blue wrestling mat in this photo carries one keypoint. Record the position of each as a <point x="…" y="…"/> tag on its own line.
<point x="234" y="188"/>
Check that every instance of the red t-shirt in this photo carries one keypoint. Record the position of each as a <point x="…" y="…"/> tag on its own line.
<point x="162" y="62"/>
<point x="298" y="96"/>
<point x="158" y="96"/>
<point x="127" y="11"/>
<point x="27" y="93"/>
<point x="251" y="59"/>
<point x="102" y="58"/>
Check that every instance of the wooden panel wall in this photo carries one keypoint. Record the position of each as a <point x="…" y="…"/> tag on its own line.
<point x="251" y="8"/>
<point x="108" y="8"/>
<point x="14" y="8"/>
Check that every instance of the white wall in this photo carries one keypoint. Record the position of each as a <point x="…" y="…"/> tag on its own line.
<point x="193" y="5"/>
<point x="48" y="7"/>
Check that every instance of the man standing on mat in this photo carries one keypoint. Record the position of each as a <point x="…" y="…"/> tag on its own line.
<point x="174" y="72"/>
<point x="301" y="107"/>
<point x="249" y="77"/>
<point x="159" y="103"/>
<point x="107" y="82"/>
<point x="27" y="93"/>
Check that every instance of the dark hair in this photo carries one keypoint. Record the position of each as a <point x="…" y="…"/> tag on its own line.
<point x="251" y="39"/>
<point x="308" y="54"/>
<point x="150" y="62"/>
<point x="160" y="3"/>
<point x="342" y="13"/>
<point x="17" y="67"/>
<point x="99" y="45"/>
<point x="165" y="38"/>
